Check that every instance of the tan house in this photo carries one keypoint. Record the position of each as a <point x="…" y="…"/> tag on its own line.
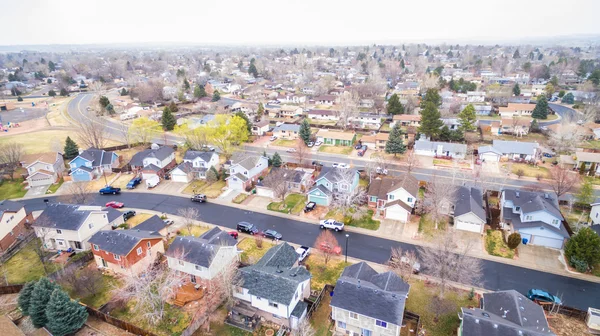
<point x="516" y="126"/>
<point x="287" y="131"/>
<point x="377" y="141"/>
<point x="336" y="138"/>
<point x="43" y="169"/>
<point x="260" y="128"/>
<point x="516" y="110"/>
<point x="406" y="120"/>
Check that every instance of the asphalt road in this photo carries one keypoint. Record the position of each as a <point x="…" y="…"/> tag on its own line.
<point x="496" y="276"/>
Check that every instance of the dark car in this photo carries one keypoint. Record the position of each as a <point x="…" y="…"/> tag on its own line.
<point x="128" y="214"/>
<point x="317" y="163"/>
<point x="200" y="198"/>
<point x="272" y="234"/>
<point x="134" y="182"/>
<point x="310" y="206"/>
<point x="247" y="228"/>
<point x="110" y="190"/>
<point x="542" y="296"/>
<point x="362" y="150"/>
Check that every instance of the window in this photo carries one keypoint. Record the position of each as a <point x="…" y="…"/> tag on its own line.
<point x="91" y="225"/>
<point x="409" y="200"/>
<point x="78" y="245"/>
<point x="12" y="233"/>
<point x="517" y="208"/>
<point x="341" y="324"/>
<point x="96" y="247"/>
<point x="139" y="250"/>
<point x="181" y="262"/>
<point x="117" y="257"/>
<point x="527" y="217"/>
<point x="366" y="332"/>
<point x="148" y="244"/>
<point x="239" y="290"/>
<point x="273" y="304"/>
<point x="391" y="197"/>
<point x="199" y="268"/>
<point x="59" y="231"/>
<point x="353" y="316"/>
<point x="555" y="221"/>
<point x="381" y="324"/>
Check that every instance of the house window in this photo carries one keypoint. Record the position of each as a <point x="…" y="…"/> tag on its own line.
<point x="78" y="245"/>
<point x="117" y="257"/>
<point x="273" y="304"/>
<point x="391" y="197"/>
<point x="410" y="199"/>
<point x="527" y="217"/>
<point x="366" y="332"/>
<point x="193" y="278"/>
<point x="59" y="231"/>
<point x="181" y="262"/>
<point x="555" y="221"/>
<point x="139" y="250"/>
<point x="91" y="225"/>
<point x="373" y="198"/>
<point x="381" y="324"/>
<point x="353" y="316"/>
<point x="12" y="233"/>
<point x="239" y="290"/>
<point x="148" y="244"/>
<point x="96" y="247"/>
<point x="517" y="209"/>
<point x="341" y="324"/>
<point x="199" y="268"/>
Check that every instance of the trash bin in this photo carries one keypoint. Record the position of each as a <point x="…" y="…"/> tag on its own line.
<point x="525" y="241"/>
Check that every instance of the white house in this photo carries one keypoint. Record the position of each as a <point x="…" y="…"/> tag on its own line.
<point x="246" y="172"/>
<point x="469" y="211"/>
<point x="328" y="100"/>
<point x="154" y="161"/>
<point x="194" y="166"/>
<point x="595" y="212"/>
<point x="260" y="128"/>
<point x="394" y="198"/>
<point x="43" y="169"/>
<point x="323" y="115"/>
<point x="432" y="148"/>
<point x="475" y="96"/>
<point x="13" y="221"/>
<point x="511" y="150"/>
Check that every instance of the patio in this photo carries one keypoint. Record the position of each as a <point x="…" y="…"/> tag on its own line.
<point x="188" y="293"/>
<point x="243" y="316"/>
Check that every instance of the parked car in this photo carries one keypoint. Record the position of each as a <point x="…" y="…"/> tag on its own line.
<point x="340" y="165"/>
<point x="310" y="144"/>
<point x="318" y="143"/>
<point x="548" y="155"/>
<point x="272" y="234"/>
<point x="134" y="182"/>
<point x="328" y="248"/>
<point x="128" y="214"/>
<point x="233" y="234"/>
<point x="247" y="228"/>
<point x="317" y="163"/>
<point x="405" y="262"/>
<point x="273" y="138"/>
<point x="542" y="296"/>
<point x="303" y="252"/>
<point x="331" y="224"/>
<point x="362" y="150"/>
<point x="291" y="150"/>
<point x="114" y="205"/>
<point x="200" y="198"/>
<point x="169" y="221"/>
<point x="208" y="148"/>
<point x="579" y="122"/>
<point x="310" y="206"/>
<point x="110" y="190"/>
<point x="381" y="171"/>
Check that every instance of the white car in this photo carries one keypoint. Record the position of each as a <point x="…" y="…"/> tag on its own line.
<point x="169" y="221"/>
<point x="291" y="150"/>
<point x="310" y="144"/>
<point x="331" y="224"/>
<point x="382" y="171"/>
<point x="273" y="138"/>
<point x="208" y="147"/>
<point x="341" y="165"/>
<point x="318" y="143"/>
<point x="303" y="252"/>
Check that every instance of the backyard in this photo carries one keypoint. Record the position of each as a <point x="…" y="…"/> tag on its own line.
<point x="495" y="245"/>
<point x="12" y="189"/>
<point x="320" y="320"/>
<point x="103" y="295"/>
<point x="293" y="203"/>
<point x="26" y="266"/>
<point x="174" y="322"/>
<point x="323" y="274"/>
<point x="344" y="150"/>
<point x="365" y="221"/>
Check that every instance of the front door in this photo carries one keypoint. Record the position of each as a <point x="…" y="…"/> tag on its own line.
<point x="104" y="264"/>
<point x="193" y="278"/>
<point x="78" y="245"/>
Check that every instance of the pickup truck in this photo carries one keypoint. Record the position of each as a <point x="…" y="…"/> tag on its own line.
<point x="134" y="182"/>
<point x="110" y="190"/>
<point x="302" y="252"/>
<point x="331" y="224"/>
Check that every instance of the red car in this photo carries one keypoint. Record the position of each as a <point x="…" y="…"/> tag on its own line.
<point x="234" y="234"/>
<point x="114" y="204"/>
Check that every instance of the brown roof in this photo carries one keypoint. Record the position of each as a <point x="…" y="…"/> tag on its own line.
<point x="323" y="112"/>
<point x="518" y="107"/>
<point x="400" y="203"/>
<point x="42" y="157"/>
<point x="382" y="136"/>
<point x="261" y="123"/>
<point x="326" y="97"/>
<point x="368" y="138"/>
<point x="335" y="135"/>
<point x="408" y="117"/>
<point x="380" y="187"/>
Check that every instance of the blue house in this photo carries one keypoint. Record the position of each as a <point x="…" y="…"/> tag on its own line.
<point x="91" y="163"/>
<point x="333" y="181"/>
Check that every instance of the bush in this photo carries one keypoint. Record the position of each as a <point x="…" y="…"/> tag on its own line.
<point x="258" y="241"/>
<point x="520" y="173"/>
<point x="584" y="246"/>
<point x="19" y="98"/>
<point x="539" y="177"/>
<point x="514" y="239"/>
<point x="580" y="265"/>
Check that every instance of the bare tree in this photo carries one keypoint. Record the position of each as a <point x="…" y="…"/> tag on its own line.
<point x="91" y="132"/>
<point x="77" y="193"/>
<point x="302" y="152"/>
<point x="189" y="216"/>
<point x="402" y="263"/>
<point x="346" y="200"/>
<point x="566" y="137"/>
<point x="562" y="180"/>
<point x="277" y="180"/>
<point x="446" y="262"/>
<point x="304" y="328"/>
<point x="10" y="157"/>
<point x="412" y="161"/>
<point x="43" y="233"/>
<point x="348" y="108"/>
<point x="125" y="134"/>
<point x="327" y="245"/>
<point x="439" y="195"/>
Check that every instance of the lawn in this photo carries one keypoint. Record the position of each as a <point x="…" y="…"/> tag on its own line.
<point x="324" y="274"/>
<point x="385" y="127"/>
<point x="174" y="322"/>
<point x="422" y="301"/>
<point x="450" y="163"/>
<point x="121" y="181"/>
<point x="365" y="222"/>
<point x="197" y="231"/>
<point x="137" y="219"/>
<point x="593" y="180"/>
<point x="530" y="171"/>
<point x="345" y="150"/>
<point x="251" y="252"/>
<point x="240" y="198"/>
<point x="103" y="295"/>
<point x="320" y="318"/>
<point x="219" y="328"/>
<point x="43" y="141"/>
<point x="26" y="266"/>
<point x="495" y="245"/>
<point x="211" y="190"/>
<point x="293" y="203"/>
<point x="54" y="187"/>
<point x="194" y="186"/>
<point x="427" y="226"/>
<point x="363" y="183"/>
<point x="12" y="189"/>
<point x="594" y="144"/>
<point x="284" y="143"/>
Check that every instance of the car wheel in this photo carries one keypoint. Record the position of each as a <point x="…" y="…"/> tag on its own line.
<point x="239" y="230"/>
<point x="114" y="192"/>
<point x="322" y="227"/>
<point x="336" y="229"/>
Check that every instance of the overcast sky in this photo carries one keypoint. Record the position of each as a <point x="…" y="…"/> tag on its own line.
<point x="291" y="22"/>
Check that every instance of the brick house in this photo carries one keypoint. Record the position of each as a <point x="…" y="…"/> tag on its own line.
<point x="13" y="220"/>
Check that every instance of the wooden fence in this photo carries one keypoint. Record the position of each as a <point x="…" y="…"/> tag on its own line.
<point x="410" y="316"/>
<point x="315" y="304"/>
<point x="117" y="323"/>
<point x="119" y="147"/>
<point x="16" y="247"/>
<point x="10" y="289"/>
<point x="567" y="311"/>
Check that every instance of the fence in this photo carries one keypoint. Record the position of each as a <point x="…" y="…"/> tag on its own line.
<point x="119" y="147"/>
<point x="10" y="289"/>
<point x="198" y="322"/>
<point x="16" y="247"/>
<point x="567" y="311"/>
<point x="315" y="304"/>
<point x="410" y="316"/>
<point x="72" y="266"/>
<point x="117" y="323"/>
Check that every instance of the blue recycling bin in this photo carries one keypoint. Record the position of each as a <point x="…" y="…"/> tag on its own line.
<point x="525" y="241"/>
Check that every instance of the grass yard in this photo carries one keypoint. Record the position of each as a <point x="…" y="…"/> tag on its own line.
<point x="121" y="181"/>
<point x="529" y="170"/>
<point x="495" y="245"/>
<point x="423" y="300"/>
<point x="54" y="187"/>
<point x="12" y="189"/>
<point x="197" y="231"/>
<point x="293" y="203"/>
<point x="26" y="266"/>
<point x="43" y="141"/>
<point x="240" y="198"/>
<point x="385" y="127"/>
<point x="593" y="144"/>
<point x="137" y="219"/>
<point x="450" y="163"/>
<point x="211" y="190"/>
<point x="320" y="318"/>
<point x="593" y="180"/>
<point x="365" y="222"/>
<point x="324" y="274"/>
<point x="427" y="226"/>
<point x="345" y="150"/>
<point x="531" y="137"/>
<point x="285" y="143"/>
<point x="103" y="295"/>
<point x="251" y="252"/>
<point x="174" y="322"/>
<point x="363" y="183"/>
<point x="194" y="186"/>
<point x="323" y="122"/>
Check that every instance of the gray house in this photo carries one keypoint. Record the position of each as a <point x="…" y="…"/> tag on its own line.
<point x="368" y="303"/>
<point x="512" y="150"/>
<point x="435" y="148"/>
<point x="504" y="313"/>
<point x="469" y="211"/>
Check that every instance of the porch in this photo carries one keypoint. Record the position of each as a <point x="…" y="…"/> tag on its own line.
<point x="242" y="315"/>
<point x="63" y="245"/>
<point x="188" y="293"/>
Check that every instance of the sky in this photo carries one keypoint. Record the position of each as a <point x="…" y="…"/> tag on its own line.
<point x="291" y="22"/>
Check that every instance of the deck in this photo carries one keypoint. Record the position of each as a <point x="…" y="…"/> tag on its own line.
<point x="188" y="293"/>
<point x="243" y="316"/>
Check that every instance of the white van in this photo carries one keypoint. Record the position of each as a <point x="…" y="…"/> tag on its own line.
<point x="152" y="182"/>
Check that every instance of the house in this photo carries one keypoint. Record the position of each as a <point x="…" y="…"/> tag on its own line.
<point x="13" y="223"/>
<point x="333" y="181"/>
<point x="284" y="111"/>
<point x="376" y="142"/>
<point x="336" y="138"/>
<point x="70" y="226"/>
<point x="154" y="224"/>
<point x="367" y="120"/>
<point x="43" y="169"/>
<point x="516" y="126"/>
<point x="291" y="99"/>
<point x="588" y="160"/>
<point x="325" y="100"/>
<point x="434" y="148"/>
<point x="535" y="216"/>
<point x="153" y="161"/>
<point x="516" y="110"/>
<point x="509" y="150"/>
<point x="368" y="303"/>
<point x="323" y="115"/>
<point x="406" y="120"/>
<point x="275" y="287"/>
<point x="92" y="163"/>
<point x="394" y="198"/>
<point x="296" y="180"/>
<point x="128" y="252"/>
<point x="504" y="313"/>
<point x="452" y="123"/>
<point x="287" y="131"/>
<point x="475" y="96"/>
<point x="538" y="89"/>
<point x="481" y="110"/>
<point x="202" y="257"/>
<point x="260" y="128"/>
<point x="194" y="166"/>
<point x="469" y="211"/>
<point x="243" y="174"/>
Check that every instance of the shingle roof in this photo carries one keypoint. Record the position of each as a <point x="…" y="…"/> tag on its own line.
<point x="335" y="174"/>
<point x="282" y="255"/>
<point x="153" y="223"/>
<point x="161" y="153"/>
<point x="515" y="147"/>
<point x="97" y="156"/>
<point x="249" y="162"/>
<point x="380" y="187"/>
<point x="287" y="128"/>
<point x="515" y="220"/>
<point x="121" y="242"/>
<point x="469" y="200"/>
<point x="191" y="155"/>
<point x="446" y="146"/>
<point x="530" y="201"/>
<point x="186" y="167"/>
<point x="487" y="149"/>
<point x="362" y="290"/>
<point x="200" y="250"/>
<point x="65" y="216"/>
<point x="9" y="206"/>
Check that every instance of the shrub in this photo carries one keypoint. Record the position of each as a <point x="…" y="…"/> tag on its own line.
<point x="258" y="241"/>
<point x="514" y="239"/>
<point x="19" y="98"/>
<point x="580" y="265"/>
<point x="39" y="300"/>
<point x="584" y="246"/>
<point x="471" y="294"/>
<point x="520" y="173"/>
<point x="539" y="177"/>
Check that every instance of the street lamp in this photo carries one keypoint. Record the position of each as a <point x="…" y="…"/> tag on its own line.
<point x="347" y="236"/>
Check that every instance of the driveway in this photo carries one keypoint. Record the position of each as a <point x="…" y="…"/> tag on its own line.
<point x="425" y="161"/>
<point x="541" y="256"/>
<point x="259" y="201"/>
<point x="490" y="167"/>
<point x="228" y="195"/>
<point x="36" y="191"/>
<point x="166" y="187"/>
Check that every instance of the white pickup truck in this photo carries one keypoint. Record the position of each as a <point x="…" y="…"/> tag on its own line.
<point x="331" y="224"/>
<point x="303" y="252"/>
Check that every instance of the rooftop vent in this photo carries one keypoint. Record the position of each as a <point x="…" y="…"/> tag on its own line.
<point x="477" y="321"/>
<point x="485" y="314"/>
<point x="495" y="326"/>
<point x="504" y="315"/>
<point x="546" y="196"/>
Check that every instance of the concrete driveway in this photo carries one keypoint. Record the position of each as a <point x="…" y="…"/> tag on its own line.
<point x="490" y="167"/>
<point x="542" y="257"/>
<point x="166" y="187"/>
<point x="36" y="191"/>
<point x="259" y="201"/>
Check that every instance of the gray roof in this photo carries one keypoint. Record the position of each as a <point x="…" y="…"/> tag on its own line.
<point x="112" y="214"/>
<point x="161" y="153"/>
<point x="186" y="167"/>
<point x="287" y="128"/>
<point x="67" y="216"/>
<point x="200" y="250"/>
<point x="515" y="220"/>
<point x="487" y="149"/>
<point x="469" y="200"/>
<point x="121" y="242"/>
<point x="9" y="206"/>
<point x="153" y="223"/>
<point x="335" y="174"/>
<point x="322" y="189"/>
<point x="191" y="155"/>
<point x="282" y="255"/>
<point x="531" y="201"/>
<point x="289" y="175"/>
<point x="515" y="147"/>
<point x="300" y="308"/>
<point x="362" y="290"/>
<point x="446" y="146"/>
<point x="249" y="162"/>
<point x="98" y="157"/>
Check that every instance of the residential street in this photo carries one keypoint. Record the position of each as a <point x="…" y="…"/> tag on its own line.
<point x="496" y="276"/>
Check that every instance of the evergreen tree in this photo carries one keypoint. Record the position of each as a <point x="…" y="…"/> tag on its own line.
<point x="568" y="98"/>
<point x="433" y="96"/>
<point x="252" y="69"/>
<point x="216" y="96"/>
<point x="516" y="90"/>
<point x="51" y="66"/>
<point x="276" y="160"/>
<point x="516" y="54"/>
<point x="584" y="246"/>
<point x="395" y="144"/>
<point x="173" y="107"/>
<point x="124" y="92"/>
<point x="305" y="131"/>
<point x="186" y="84"/>
<point x="535" y="126"/>
<point x="71" y="149"/>
<point x="593" y="168"/>
<point x="64" y="92"/>
<point x="541" y="108"/>
<point x="110" y="109"/>
<point x="51" y="93"/>
<point x="402" y="63"/>
<point x="168" y="119"/>
<point x="467" y="118"/>
<point x="103" y="101"/>
<point x="261" y="111"/>
<point x="64" y="315"/>
<point x="25" y="297"/>
<point x="561" y="93"/>
<point x="430" y="120"/>
<point x="445" y="134"/>
<point x="582" y="168"/>
<point x="39" y="300"/>
<point x="199" y="91"/>
<point x="212" y="175"/>
<point x="394" y="106"/>
<point x="19" y="98"/>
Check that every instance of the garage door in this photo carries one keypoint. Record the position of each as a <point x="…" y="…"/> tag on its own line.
<point x="266" y="192"/>
<point x="179" y="178"/>
<point x="471" y="227"/>
<point x="548" y="242"/>
<point x="396" y="213"/>
<point x="490" y="157"/>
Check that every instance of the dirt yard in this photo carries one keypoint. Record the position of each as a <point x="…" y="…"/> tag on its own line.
<point x="567" y="326"/>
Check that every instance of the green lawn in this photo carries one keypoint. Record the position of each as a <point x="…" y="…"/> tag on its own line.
<point x="365" y="222"/>
<point x="196" y="231"/>
<point x="285" y="143"/>
<point x="104" y="294"/>
<point x="174" y="321"/>
<point x="363" y="183"/>
<point x="529" y="170"/>
<point x="427" y="226"/>
<point x="26" y="266"/>
<point x="495" y="245"/>
<point x="594" y="144"/>
<point x="211" y="190"/>
<point x="324" y="274"/>
<point x="251" y="253"/>
<point x="320" y="318"/>
<point x="12" y="189"/>
<point x="593" y="180"/>
<point x="293" y="203"/>
<point x="345" y="150"/>
<point x="54" y="187"/>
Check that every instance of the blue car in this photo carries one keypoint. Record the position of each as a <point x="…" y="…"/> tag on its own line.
<point x="110" y="190"/>
<point x="542" y="296"/>
<point x="134" y="182"/>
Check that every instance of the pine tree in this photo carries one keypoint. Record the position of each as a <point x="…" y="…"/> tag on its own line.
<point x="432" y="96"/>
<point x="305" y="131"/>
<point x="541" y="108"/>
<point x="39" y="300"/>
<point x="71" y="149"/>
<point x="186" y="84"/>
<point x="402" y="64"/>
<point x="516" y="54"/>
<point x="467" y="118"/>
<point x="64" y="92"/>
<point x="261" y="110"/>
<point x="535" y="126"/>
<point x="25" y="297"/>
<point x="124" y="92"/>
<point x="216" y="96"/>
<point x="568" y="98"/>
<point x="212" y="175"/>
<point x="430" y="120"/>
<point x="51" y="93"/>
<point x="276" y="160"/>
<point x="516" y="90"/>
<point x="582" y="168"/>
<point x="394" y="106"/>
<point x="395" y="144"/>
<point x="593" y="169"/>
<point x="64" y="315"/>
<point x="252" y="70"/>
<point x="199" y="91"/>
<point x="168" y="119"/>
